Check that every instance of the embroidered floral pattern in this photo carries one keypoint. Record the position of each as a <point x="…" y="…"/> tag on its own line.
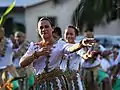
<point x="3" y="47"/>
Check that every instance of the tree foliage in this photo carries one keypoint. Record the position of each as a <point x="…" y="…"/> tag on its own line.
<point x="92" y="12"/>
<point x="9" y="9"/>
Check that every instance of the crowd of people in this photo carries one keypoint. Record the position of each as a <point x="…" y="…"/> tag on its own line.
<point x="57" y="63"/>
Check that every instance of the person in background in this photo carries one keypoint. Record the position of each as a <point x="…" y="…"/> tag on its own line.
<point x="88" y="33"/>
<point x="113" y="59"/>
<point x="23" y="44"/>
<point x="71" y="63"/>
<point x="116" y="74"/>
<point x="20" y="47"/>
<point x="93" y="76"/>
<point x="57" y="33"/>
<point x="105" y="61"/>
<point x="115" y="50"/>
<point x="7" y="70"/>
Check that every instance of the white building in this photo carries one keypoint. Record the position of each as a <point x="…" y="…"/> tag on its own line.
<point x="61" y="13"/>
<point x="113" y="28"/>
<point x="17" y="15"/>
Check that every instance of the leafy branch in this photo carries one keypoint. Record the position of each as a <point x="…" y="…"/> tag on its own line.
<point x="9" y="9"/>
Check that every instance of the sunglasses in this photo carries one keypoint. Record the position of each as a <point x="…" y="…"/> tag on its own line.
<point x="46" y="26"/>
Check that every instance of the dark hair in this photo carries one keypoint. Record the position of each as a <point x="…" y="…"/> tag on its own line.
<point x="97" y="40"/>
<point x="116" y="46"/>
<point x="88" y="30"/>
<point x="45" y="18"/>
<point x="57" y="30"/>
<point x="76" y="30"/>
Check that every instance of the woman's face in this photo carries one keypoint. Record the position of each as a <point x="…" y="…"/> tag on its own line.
<point x="69" y="35"/>
<point x="88" y="34"/>
<point x="45" y="30"/>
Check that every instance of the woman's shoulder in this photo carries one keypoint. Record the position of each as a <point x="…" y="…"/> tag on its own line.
<point x="33" y="45"/>
<point x="61" y="41"/>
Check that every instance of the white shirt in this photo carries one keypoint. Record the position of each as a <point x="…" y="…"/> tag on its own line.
<point x="102" y="48"/>
<point x="7" y="59"/>
<point x="113" y="62"/>
<point x="105" y="64"/>
<point x="54" y="61"/>
<point x="74" y="61"/>
<point x="16" y="60"/>
<point x="118" y="58"/>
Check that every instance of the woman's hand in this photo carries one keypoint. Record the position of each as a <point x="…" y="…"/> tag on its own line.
<point x="94" y="53"/>
<point x="87" y="42"/>
<point x="44" y="51"/>
<point x="90" y="54"/>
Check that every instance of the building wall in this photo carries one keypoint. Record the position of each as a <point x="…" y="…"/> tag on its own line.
<point x="18" y="17"/>
<point x="112" y="28"/>
<point x="13" y="18"/>
<point x="63" y="12"/>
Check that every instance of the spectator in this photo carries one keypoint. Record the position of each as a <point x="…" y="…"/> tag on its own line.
<point x="57" y="34"/>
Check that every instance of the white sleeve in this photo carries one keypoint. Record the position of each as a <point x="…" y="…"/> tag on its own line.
<point x="102" y="48"/>
<point x="9" y="53"/>
<point x="118" y="58"/>
<point x="66" y="48"/>
<point x="81" y="52"/>
<point x="30" y="50"/>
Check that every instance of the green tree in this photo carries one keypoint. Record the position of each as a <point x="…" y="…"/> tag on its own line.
<point x="5" y="14"/>
<point x="94" y="12"/>
<point x="89" y="13"/>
